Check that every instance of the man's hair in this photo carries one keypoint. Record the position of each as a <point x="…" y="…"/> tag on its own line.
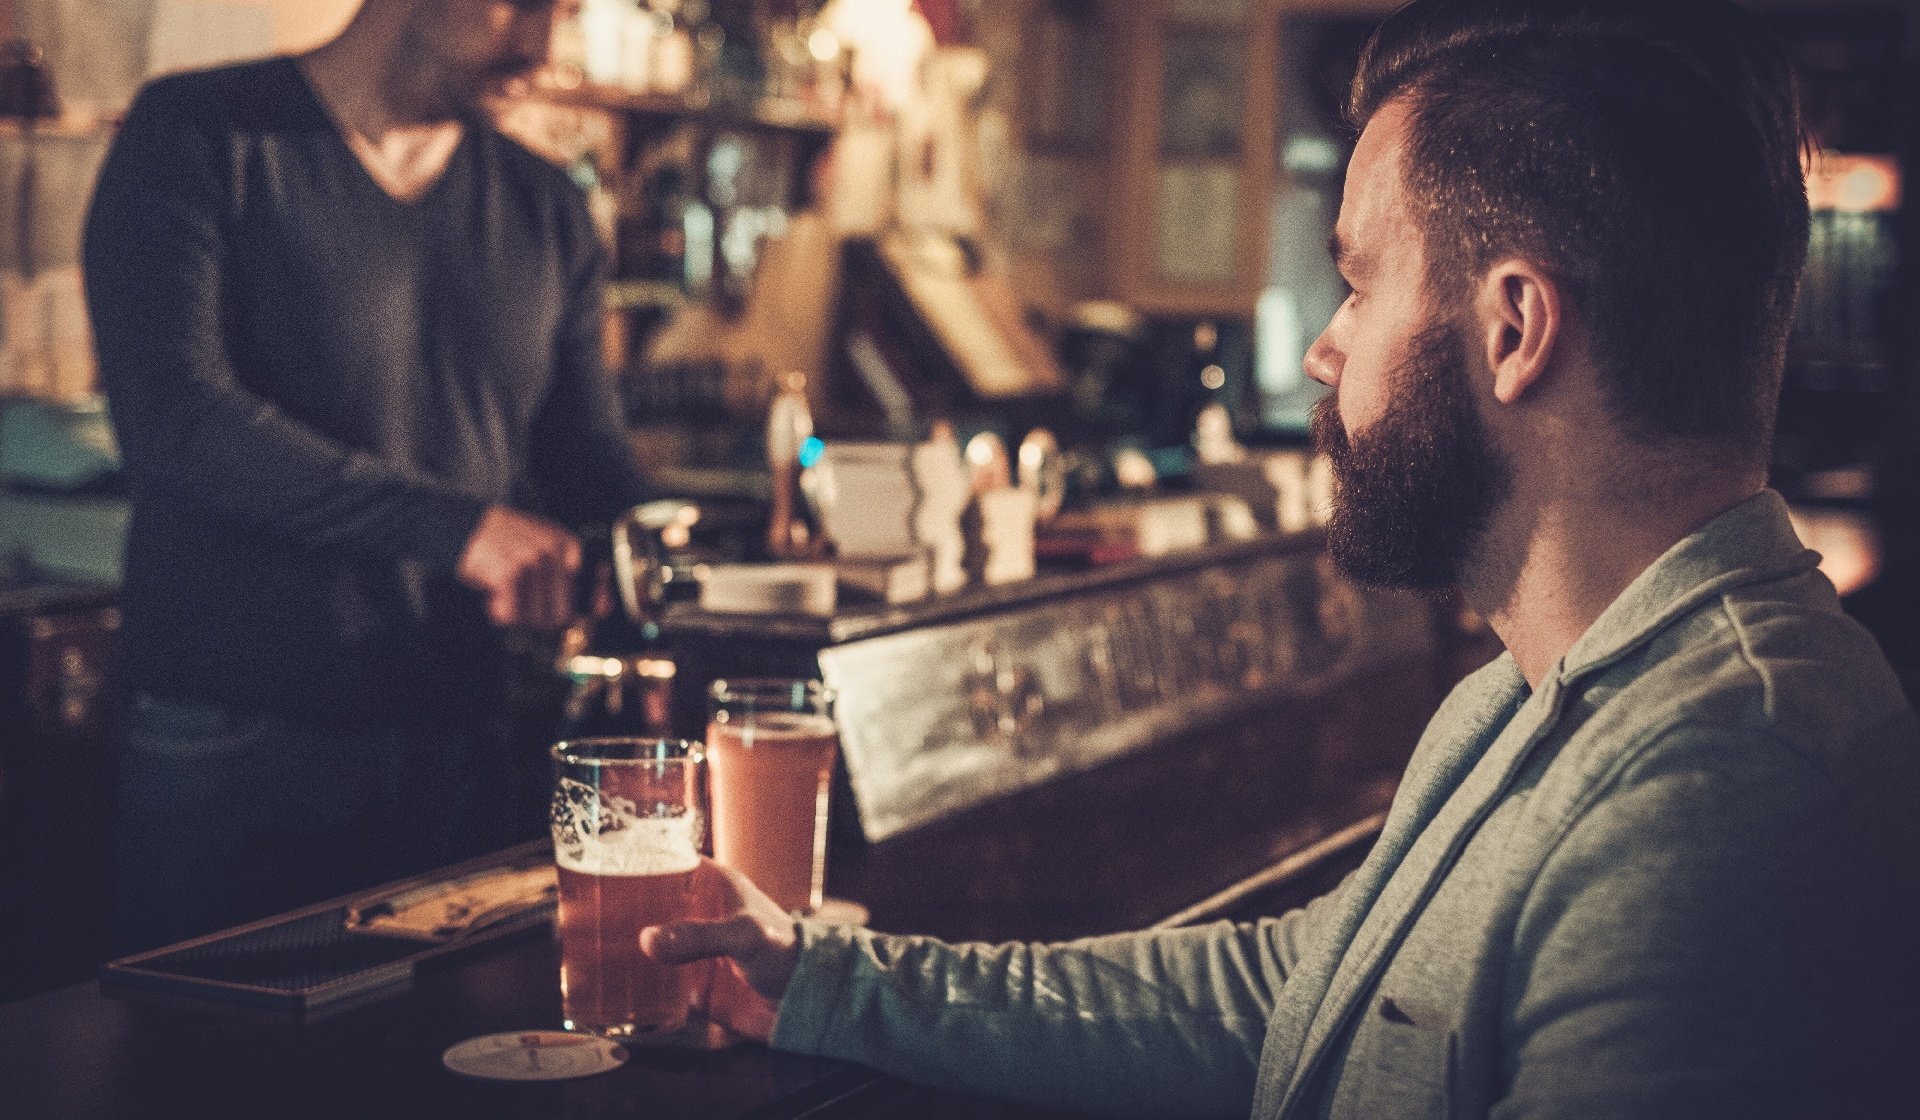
<point x="1646" y="153"/>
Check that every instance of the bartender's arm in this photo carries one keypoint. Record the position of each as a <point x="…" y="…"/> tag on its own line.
<point x="155" y="260"/>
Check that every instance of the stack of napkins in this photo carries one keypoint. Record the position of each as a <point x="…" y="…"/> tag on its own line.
<point x="810" y="589"/>
<point x="1146" y="527"/>
<point x="906" y="579"/>
<point x="892" y="511"/>
<point x="866" y="496"/>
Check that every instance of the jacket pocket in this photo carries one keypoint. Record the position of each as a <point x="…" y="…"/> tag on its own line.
<point x="1401" y="1064"/>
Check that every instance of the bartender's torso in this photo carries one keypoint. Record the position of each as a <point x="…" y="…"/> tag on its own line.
<point x="420" y="332"/>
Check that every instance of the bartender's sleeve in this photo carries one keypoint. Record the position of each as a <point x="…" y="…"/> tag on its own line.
<point x="155" y="256"/>
<point x="1161" y="1023"/>
<point x="582" y="459"/>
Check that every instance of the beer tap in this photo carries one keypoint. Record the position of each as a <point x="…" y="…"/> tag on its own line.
<point x="793" y="529"/>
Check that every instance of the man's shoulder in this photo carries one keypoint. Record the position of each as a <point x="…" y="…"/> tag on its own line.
<point x="234" y="95"/>
<point x="1777" y="661"/>
<point x="234" y="83"/>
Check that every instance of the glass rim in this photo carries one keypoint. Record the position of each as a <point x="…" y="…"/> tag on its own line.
<point x="684" y="750"/>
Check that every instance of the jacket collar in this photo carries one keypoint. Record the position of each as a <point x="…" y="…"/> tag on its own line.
<point x="1474" y="751"/>
<point x="1753" y="542"/>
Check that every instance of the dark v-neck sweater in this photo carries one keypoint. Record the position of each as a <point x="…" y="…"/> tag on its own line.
<point x="318" y="388"/>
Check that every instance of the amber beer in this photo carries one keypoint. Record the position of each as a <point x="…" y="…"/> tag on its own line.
<point x="626" y="821"/>
<point x="771" y="745"/>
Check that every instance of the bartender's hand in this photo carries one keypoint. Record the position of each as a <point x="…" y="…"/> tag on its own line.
<point x="526" y="567"/>
<point x="752" y="942"/>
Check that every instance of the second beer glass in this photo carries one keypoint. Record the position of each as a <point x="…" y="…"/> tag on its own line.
<point x="626" y="834"/>
<point x="771" y="744"/>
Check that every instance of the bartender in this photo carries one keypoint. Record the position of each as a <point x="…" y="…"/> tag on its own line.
<point x="350" y="338"/>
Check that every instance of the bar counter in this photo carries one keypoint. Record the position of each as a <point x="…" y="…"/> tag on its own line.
<point x="1237" y="819"/>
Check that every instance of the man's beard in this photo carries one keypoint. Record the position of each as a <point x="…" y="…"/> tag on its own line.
<point x="1414" y="495"/>
<point x="465" y="86"/>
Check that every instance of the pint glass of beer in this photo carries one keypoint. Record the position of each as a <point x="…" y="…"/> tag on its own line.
<point x="771" y="744"/>
<point x="627" y="821"/>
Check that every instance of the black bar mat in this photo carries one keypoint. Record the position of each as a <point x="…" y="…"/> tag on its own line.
<point x="308" y="961"/>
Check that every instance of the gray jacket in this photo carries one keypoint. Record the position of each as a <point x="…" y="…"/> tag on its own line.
<point x="1674" y="881"/>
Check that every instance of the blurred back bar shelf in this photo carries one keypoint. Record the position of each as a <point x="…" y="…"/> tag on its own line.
<point x="663" y="110"/>
<point x="689" y="189"/>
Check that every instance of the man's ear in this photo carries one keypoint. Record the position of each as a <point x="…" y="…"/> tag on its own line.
<point x="1521" y="313"/>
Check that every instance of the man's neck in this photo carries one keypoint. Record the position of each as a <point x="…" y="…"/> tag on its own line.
<point x="390" y="106"/>
<point x="1547" y="571"/>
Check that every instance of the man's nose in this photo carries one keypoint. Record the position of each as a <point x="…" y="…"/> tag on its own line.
<point x="1323" y="361"/>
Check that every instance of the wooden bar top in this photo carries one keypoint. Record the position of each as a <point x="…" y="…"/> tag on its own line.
<point x="1118" y="847"/>
<point x="860" y="620"/>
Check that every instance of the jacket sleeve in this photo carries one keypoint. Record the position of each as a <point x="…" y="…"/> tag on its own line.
<point x="1162" y="1023"/>
<point x="1700" y="944"/>
<point x="155" y="259"/>
<point x="582" y="459"/>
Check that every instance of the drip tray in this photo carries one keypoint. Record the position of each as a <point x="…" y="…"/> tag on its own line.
<point x="349" y="951"/>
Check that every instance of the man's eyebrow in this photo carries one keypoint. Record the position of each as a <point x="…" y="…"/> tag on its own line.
<point x="1345" y="258"/>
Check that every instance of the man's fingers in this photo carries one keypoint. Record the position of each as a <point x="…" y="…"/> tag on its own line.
<point x="564" y="572"/>
<point x="502" y="602"/>
<point x="560" y="575"/>
<point x="536" y="593"/>
<point x="547" y="583"/>
<point x="682" y="942"/>
<point x="526" y="567"/>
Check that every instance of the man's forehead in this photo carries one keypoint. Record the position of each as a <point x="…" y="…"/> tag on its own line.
<point x="1372" y="206"/>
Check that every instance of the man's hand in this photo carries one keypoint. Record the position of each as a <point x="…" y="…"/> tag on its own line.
<point x="752" y="942"/>
<point x="526" y="567"/>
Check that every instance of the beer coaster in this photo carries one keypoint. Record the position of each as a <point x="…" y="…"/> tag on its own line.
<point x="841" y="912"/>
<point x="534" y="1056"/>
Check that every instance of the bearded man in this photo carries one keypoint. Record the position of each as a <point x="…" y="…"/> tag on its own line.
<point x="1656" y="860"/>
<point x="349" y="335"/>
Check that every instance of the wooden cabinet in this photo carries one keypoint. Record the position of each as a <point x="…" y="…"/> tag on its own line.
<point x="1195" y="155"/>
<point x="1146" y="140"/>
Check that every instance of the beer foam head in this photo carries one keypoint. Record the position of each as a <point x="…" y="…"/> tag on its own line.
<point x="600" y="835"/>
<point x="653" y="846"/>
